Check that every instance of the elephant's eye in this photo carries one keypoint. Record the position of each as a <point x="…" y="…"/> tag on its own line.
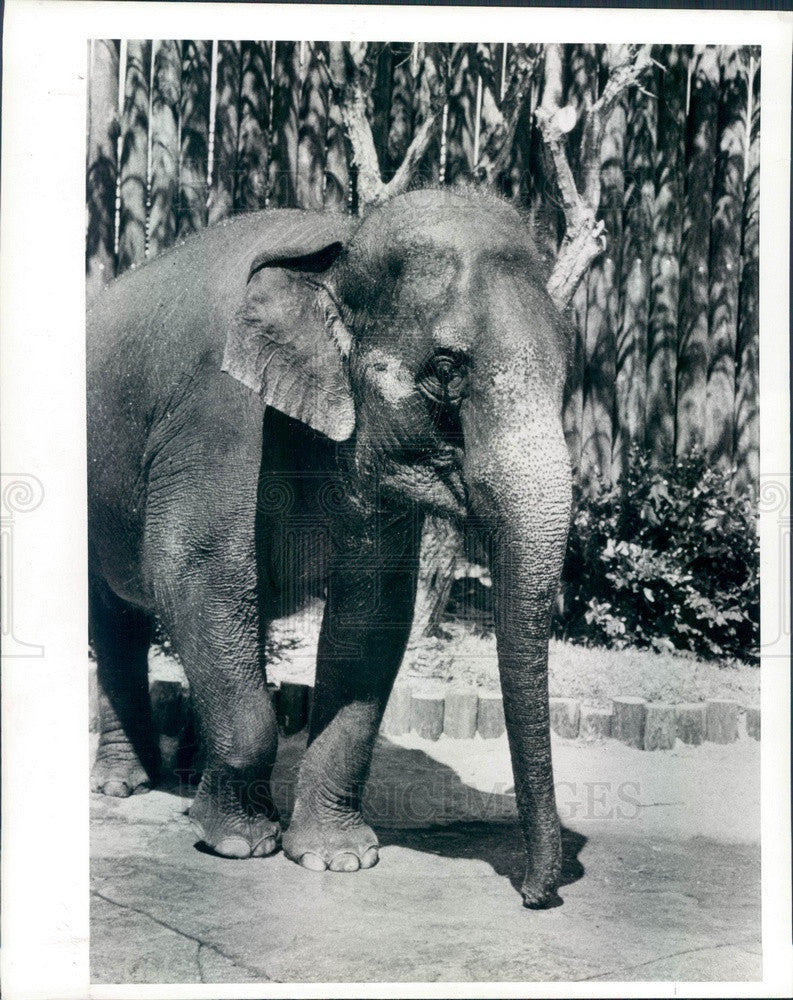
<point x="445" y="370"/>
<point x="444" y="378"/>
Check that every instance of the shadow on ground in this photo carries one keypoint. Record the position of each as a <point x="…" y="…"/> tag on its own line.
<point x="500" y="846"/>
<point x="407" y="793"/>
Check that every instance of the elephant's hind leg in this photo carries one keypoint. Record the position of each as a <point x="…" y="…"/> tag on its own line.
<point x="127" y="758"/>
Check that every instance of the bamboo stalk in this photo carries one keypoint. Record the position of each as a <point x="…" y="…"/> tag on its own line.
<point x="692" y="359"/>
<point x="602" y="320"/>
<point x="662" y="334"/>
<point x="213" y="86"/>
<point x="133" y="167"/>
<point x="102" y="149"/>
<point x="225" y="131"/>
<point x="747" y="430"/>
<point x="725" y="250"/>
<point x="193" y="136"/>
<point x="477" y="119"/>
<point x="283" y="162"/>
<point x="312" y="131"/>
<point x="164" y="132"/>
<point x="635" y="279"/>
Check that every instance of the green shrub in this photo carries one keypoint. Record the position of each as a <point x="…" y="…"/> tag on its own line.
<point x="669" y="559"/>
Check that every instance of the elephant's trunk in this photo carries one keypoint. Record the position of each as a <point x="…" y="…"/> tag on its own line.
<point x="518" y="477"/>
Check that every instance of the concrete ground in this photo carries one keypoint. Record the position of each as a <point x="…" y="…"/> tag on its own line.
<point x="662" y="873"/>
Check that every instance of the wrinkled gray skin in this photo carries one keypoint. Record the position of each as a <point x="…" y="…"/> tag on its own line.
<point x="409" y="363"/>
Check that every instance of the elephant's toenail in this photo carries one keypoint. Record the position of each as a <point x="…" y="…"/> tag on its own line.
<point x="119" y="789"/>
<point x="265" y="847"/>
<point x="313" y="862"/>
<point x="345" y="863"/>
<point x="370" y="858"/>
<point x="233" y="847"/>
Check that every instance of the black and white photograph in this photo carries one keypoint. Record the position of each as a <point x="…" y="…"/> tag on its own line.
<point x="431" y="423"/>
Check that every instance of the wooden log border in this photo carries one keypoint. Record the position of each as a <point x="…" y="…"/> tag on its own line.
<point x="472" y="711"/>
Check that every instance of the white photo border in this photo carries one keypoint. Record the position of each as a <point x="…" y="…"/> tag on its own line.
<point x="45" y="930"/>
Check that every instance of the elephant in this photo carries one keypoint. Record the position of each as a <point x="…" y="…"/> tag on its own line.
<point x="274" y="405"/>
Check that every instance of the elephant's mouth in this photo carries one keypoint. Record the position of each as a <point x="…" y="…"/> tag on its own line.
<point x="433" y="481"/>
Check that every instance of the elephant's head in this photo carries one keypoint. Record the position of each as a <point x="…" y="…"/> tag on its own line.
<point x="426" y="333"/>
<point x="424" y="338"/>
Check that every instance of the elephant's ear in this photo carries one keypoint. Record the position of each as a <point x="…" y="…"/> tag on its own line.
<point x="288" y="343"/>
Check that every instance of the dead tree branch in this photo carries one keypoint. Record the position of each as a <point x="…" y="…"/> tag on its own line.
<point x="584" y="237"/>
<point x="359" y="132"/>
<point x="353" y="91"/>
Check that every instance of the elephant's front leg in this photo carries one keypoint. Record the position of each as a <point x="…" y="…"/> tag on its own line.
<point x="365" y="629"/>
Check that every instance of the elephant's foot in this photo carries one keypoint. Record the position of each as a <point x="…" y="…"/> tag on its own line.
<point x="119" y="772"/>
<point x="539" y="889"/>
<point x="336" y="842"/>
<point x="235" y="818"/>
<point x="539" y="896"/>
